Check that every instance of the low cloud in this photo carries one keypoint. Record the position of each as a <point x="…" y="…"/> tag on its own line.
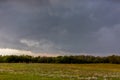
<point x="30" y="43"/>
<point x="40" y="46"/>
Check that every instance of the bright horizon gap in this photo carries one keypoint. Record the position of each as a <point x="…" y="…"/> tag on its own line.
<point x="8" y="51"/>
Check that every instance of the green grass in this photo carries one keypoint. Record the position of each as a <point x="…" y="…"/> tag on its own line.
<point x="22" y="71"/>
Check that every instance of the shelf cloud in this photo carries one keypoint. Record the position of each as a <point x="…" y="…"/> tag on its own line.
<point x="68" y="27"/>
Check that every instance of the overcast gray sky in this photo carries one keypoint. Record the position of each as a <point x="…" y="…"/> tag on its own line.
<point x="61" y="26"/>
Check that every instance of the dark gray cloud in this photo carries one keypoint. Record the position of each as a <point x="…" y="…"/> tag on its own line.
<point x="71" y="26"/>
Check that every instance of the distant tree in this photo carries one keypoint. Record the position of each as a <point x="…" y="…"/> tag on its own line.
<point x="80" y="59"/>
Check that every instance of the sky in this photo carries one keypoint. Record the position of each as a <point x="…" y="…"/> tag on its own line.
<point x="60" y="27"/>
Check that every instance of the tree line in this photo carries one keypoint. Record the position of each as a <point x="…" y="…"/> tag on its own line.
<point x="79" y="59"/>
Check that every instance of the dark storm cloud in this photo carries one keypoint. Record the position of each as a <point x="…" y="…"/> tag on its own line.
<point x="73" y="26"/>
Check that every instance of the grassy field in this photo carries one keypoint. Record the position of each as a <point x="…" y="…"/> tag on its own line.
<point x="22" y="71"/>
